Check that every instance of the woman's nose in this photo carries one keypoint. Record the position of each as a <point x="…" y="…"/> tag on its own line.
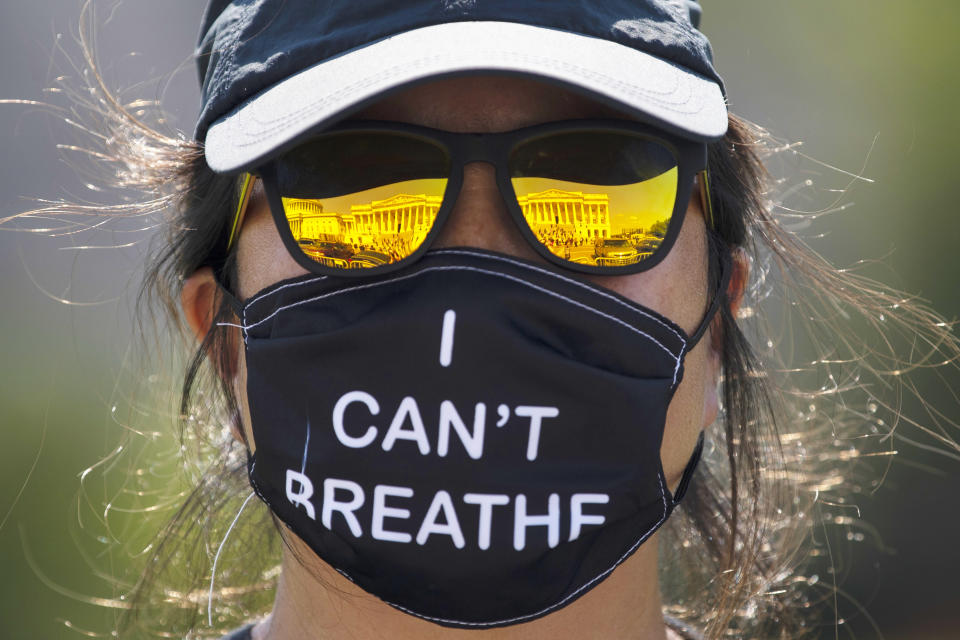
<point x="480" y="217"/>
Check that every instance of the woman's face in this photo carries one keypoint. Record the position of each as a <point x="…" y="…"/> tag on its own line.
<point x="676" y="287"/>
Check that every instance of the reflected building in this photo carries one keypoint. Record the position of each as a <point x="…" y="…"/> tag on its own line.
<point x="406" y="217"/>
<point x="572" y="224"/>
<point x="307" y="219"/>
<point x="579" y="216"/>
<point x="402" y="217"/>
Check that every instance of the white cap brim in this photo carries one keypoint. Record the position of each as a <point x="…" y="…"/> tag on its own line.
<point x="643" y="85"/>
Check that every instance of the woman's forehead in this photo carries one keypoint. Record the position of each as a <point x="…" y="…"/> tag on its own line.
<point x="485" y="103"/>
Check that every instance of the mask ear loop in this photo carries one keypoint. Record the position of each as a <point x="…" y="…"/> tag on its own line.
<point x="232" y="301"/>
<point x="688" y="472"/>
<point x="719" y="296"/>
<point x="714" y="241"/>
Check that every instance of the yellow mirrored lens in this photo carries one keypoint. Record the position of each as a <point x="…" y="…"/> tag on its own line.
<point x="599" y="225"/>
<point x="366" y="229"/>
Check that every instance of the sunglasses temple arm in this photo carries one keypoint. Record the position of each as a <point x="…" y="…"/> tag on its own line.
<point x="705" y="201"/>
<point x="246" y="187"/>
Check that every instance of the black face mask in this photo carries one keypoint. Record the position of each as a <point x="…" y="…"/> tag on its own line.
<point x="474" y="439"/>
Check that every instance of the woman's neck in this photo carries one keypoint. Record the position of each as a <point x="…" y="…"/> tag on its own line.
<point x="315" y="602"/>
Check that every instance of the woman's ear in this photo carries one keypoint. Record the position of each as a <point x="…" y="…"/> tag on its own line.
<point x="739" y="276"/>
<point x="198" y="300"/>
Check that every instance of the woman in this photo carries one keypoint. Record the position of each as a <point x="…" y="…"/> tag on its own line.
<point x="480" y="429"/>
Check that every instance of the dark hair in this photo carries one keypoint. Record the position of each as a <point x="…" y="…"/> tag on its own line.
<point x="735" y="562"/>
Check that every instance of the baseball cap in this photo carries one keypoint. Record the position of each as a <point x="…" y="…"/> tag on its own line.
<point x="272" y="71"/>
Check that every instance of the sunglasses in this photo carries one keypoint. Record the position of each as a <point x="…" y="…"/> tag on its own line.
<point x="595" y="196"/>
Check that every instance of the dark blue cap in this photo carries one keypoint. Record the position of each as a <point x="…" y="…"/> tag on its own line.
<point x="273" y="70"/>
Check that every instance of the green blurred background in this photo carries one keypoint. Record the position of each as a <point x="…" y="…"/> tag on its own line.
<point x="864" y="84"/>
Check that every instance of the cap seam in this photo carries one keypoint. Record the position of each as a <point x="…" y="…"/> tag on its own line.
<point x="229" y="49"/>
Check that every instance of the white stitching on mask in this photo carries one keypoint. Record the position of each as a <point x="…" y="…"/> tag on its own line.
<point x="676" y="357"/>
<point x="569" y="281"/>
<point x="256" y="298"/>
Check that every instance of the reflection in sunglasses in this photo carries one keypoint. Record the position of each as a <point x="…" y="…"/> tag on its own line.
<point x="623" y="225"/>
<point x="384" y="225"/>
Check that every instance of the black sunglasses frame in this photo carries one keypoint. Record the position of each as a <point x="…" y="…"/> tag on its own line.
<point x="495" y="149"/>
